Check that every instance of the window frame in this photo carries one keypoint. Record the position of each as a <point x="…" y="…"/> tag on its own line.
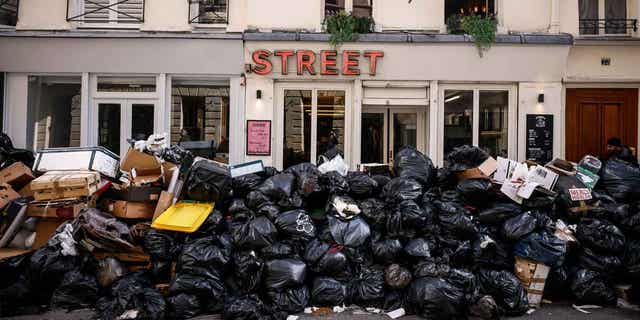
<point x="17" y="14"/>
<point x="512" y="119"/>
<point x="194" y="5"/>
<point x="601" y="29"/>
<point x="77" y="10"/>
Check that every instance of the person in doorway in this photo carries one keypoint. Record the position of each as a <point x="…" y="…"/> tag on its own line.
<point x="615" y="149"/>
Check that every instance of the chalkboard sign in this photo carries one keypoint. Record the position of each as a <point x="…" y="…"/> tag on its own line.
<point x="540" y="138"/>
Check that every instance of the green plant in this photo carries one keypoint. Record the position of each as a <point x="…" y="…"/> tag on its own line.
<point x="481" y="29"/>
<point x="345" y="27"/>
<point x="453" y="24"/>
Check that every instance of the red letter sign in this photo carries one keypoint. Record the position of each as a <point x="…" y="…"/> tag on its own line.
<point x="373" y="60"/>
<point x="328" y="62"/>
<point x="284" y="56"/>
<point x="261" y="59"/>
<point x="306" y="58"/>
<point x="348" y="63"/>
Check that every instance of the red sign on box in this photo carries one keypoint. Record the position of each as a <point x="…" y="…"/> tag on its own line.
<point x="258" y="137"/>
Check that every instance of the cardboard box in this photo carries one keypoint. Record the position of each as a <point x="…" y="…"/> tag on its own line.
<point x="65" y="185"/>
<point x="45" y="229"/>
<point x="166" y="201"/>
<point x="64" y="210"/>
<point x="533" y="276"/>
<point x="132" y="210"/>
<point x="17" y="175"/>
<point x="7" y="194"/>
<point x="136" y="193"/>
<point x="97" y="159"/>
<point x="142" y="168"/>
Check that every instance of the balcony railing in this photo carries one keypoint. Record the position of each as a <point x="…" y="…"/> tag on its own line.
<point x="106" y="11"/>
<point x="9" y="12"/>
<point x="208" y="11"/>
<point x="608" y="26"/>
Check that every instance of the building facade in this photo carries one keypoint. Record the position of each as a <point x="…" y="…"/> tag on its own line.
<point x="262" y="81"/>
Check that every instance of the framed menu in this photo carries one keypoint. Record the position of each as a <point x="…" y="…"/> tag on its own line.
<point x="258" y="137"/>
<point x="539" y="147"/>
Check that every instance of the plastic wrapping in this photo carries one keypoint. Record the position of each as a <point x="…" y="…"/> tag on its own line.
<point x="284" y="273"/>
<point x="410" y="163"/>
<point x="435" y="298"/>
<point x="506" y="289"/>
<point x="328" y="292"/>
<point x="589" y="287"/>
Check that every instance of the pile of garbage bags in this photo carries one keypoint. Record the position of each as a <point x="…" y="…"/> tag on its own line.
<point x="417" y="238"/>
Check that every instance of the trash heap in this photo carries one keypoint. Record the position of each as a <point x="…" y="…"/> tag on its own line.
<point x="478" y="238"/>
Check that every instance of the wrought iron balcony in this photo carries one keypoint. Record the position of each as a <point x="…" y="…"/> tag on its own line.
<point x="9" y="12"/>
<point x="106" y="11"/>
<point x="608" y="26"/>
<point x="208" y="11"/>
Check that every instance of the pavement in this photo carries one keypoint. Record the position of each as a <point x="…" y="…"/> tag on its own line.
<point x="547" y="312"/>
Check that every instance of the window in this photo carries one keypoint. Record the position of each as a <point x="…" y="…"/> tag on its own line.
<point x="117" y="84"/>
<point x="208" y="11"/>
<point x="359" y="8"/>
<point x="605" y="17"/>
<point x="200" y="118"/>
<point x="8" y="12"/>
<point x="107" y="12"/>
<point x="314" y="123"/>
<point x="478" y="116"/>
<point x="467" y="7"/>
<point x="332" y="7"/>
<point x="54" y="110"/>
<point x="363" y="8"/>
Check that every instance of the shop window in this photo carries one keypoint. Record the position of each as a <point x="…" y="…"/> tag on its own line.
<point x="490" y="131"/>
<point x="53" y="118"/>
<point x="605" y="17"/>
<point x="111" y="12"/>
<point x="208" y="11"/>
<point x="313" y="124"/>
<point x="116" y="84"/>
<point x="200" y="119"/>
<point x="8" y="12"/>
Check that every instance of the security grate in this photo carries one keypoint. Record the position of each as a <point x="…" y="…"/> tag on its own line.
<point x="607" y="26"/>
<point x="9" y="12"/>
<point x="208" y="11"/>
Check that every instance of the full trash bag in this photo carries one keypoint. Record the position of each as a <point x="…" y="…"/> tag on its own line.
<point x="277" y="250"/>
<point x="489" y="253"/>
<point x="456" y="219"/>
<point x="278" y="187"/>
<point x="296" y="224"/>
<point x="498" y="212"/>
<point x="254" y="234"/>
<point x="200" y="281"/>
<point x="353" y="233"/>
<point x="324" y="258"/>
<point x="207" y="182"/>
<point x="374" y="212"/>
<point x="621" y="180"/>
<point x="204" y="253"/>
<point x="397" y="277"/>
<point x="632" y="259"/>
<point x="184" y="306"/>
<point x="590" y="287"/>
<point x="475" y="192"/>
<point x="543" y="247"/>
<point x="328" y="292"/>
<point x="291" y="300"/>
<point x="134" y="291"/>
<point x="400" y="189"/>
<point x="47" y="267"/>
<point x="604" y="263"/>
<point x="367" y="288"/>
<point x="334" y="183"/>
<point x="484" y="308"/>
<point x="284" y="273"/>
<point x="519" y="226"/>
<point x="242" y="185"/>
<point x="601" y="236"/>
<point x="307" y="178"/>
<point x="76" y="291"/>
<point x="506" y="289"/>
<point x="465" y="157"/>
<point x="410" y="163"/>
<point x="387" y="250"/>
<point x="435" y="298"/>
<point x="418" y="248"/>
<point x="248" y="307"/>
<point x="361" y="185"/>
<point x="247" y="271"/>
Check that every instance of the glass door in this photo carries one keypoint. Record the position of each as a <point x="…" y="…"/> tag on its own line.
<point x="118" y="120"/>
<point x="373" y="147"/>
<point x="407" y="127"/>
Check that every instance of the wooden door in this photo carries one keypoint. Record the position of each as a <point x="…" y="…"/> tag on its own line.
<point x="595" y="115"/>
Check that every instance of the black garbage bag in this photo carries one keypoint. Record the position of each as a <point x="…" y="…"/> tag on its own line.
<point x="307" y="178"/>
<point x="431" y="267"/>
<point x="498" y="213"/>
<point x="407" y="219"/>
<point x="160" y="245"/>
<point x="386" y="250"/>
<point x="328" y="292"/>
<point x="47" y="267"/>
<point x="484" y="308"/>
<point x="456" y="219"/>
<point x="238" y="209"/>
<point x="256" y="200"/>
<point x="467" y="281"/>
<point x="418" y="248"/>
<point x="246" y="308"/>
<point x="615" y="213"/>
<point x="606" y="264"/>
<point x="394" y="300"/>
<point x="254" y="234"/>
<point x="435" y="298"/>
<point x="278" y="250"/>
<point x="558" y="283"/>
<point x="11" y="269"/>
<point x="522" y="225"/>
<point x="247" y="271"/>
<point x="401" y="189"/>
<point x="397" y="277"/>
<point x="207" y="182"/>
<point x="134" y="291"/>
<point x="199" y="281"/>
<point x="475" y="192"/>
<point x="184" y="306"/>
<point x="296" y="224"/>
<point x="632" y="224"/>
<point x="353" y="233"/>
<point x="367" y="288"/>
<point x="324" y="258"/>
<point x="465" y="157"/>
<point x="361" y="185"/>
<point x="632" y="260"/>
<point x="16" y="298"/>
<point x="242" y="185"/>
<point x="284" y="273"/>
<point x="203" y="253"/>
<point x="621" y="180"/>
<point x="601" y="236"/>
<point x="410" y="163"/>
<point x="290" y="300"/>
<point x="334" y="183"/>
<point x="278" y="187"/>
<point x="489" y="253"/>
<point x="590" y="287"/>
<point x="374" y="212"/>
<point x="382" y="181"/>
<point x="76" y="291"/>
<point x="109" y="270"/>
<point x="506" y="289"/>
<point x="542" y="247"/>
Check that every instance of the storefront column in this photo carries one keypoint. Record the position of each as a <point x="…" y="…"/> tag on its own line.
<point x="15" y="119"/>
<point x="85" y="110"/>
<point x="237" y="121"/>
<point x="434" y="121"/>
<point x="356" y="124"/>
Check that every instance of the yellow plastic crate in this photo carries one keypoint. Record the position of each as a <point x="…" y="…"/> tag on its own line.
<point x="183" y="217"/>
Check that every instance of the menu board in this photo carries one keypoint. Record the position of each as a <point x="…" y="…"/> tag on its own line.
<point x="540" y="138"/>
<point x="258" y="137"/>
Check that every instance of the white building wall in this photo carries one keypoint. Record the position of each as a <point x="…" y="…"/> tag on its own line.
<point x="163" y="15"/>
<point x="43" y="15"/>
<point x="402" y="15"/>
<point x="553" y="104"/>
<point x="15" y="109"/>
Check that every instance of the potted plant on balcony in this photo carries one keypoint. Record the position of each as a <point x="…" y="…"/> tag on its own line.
<point x="482" y="29"/>
<point x="345" y="27"/>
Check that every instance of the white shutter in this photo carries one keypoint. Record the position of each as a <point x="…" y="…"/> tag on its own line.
<point x="130" y="11"/>
<point x="93" y="13"/>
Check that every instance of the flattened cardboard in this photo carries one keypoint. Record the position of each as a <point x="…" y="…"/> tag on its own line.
<point x="142" y="168"/>
<point x="533" y="276"/>
<point x="17" y="175"/>
<point x="132" y="210"/>
<point x="165" y="202"/>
